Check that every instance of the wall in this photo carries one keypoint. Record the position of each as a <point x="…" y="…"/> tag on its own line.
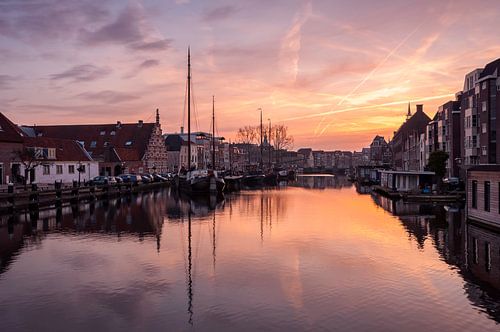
<point x="7" y="154"/>
<point x="91" y="171"/>
<point x="493" y="216"/>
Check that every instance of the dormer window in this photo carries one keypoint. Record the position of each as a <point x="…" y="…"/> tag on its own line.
<point x="93" y="144"/>
<point x="102" y="133"/>
<point x="112" y="133"/>
<point x="106" y="144"/>
<point x="128" y="143"/>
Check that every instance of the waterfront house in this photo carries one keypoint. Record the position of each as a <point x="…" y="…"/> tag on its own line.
<point x="405" y="181"/>
<point x="483" y="194"/>
<point x="119" y="148"/>
<point x="47" y="160"/>
<point x="11" y="140"/>
<point x="405" y="144"/>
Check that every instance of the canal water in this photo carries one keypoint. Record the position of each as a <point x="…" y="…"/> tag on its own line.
<point x="318" y="254"/>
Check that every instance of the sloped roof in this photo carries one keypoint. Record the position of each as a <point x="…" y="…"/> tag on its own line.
<point x="491" y="69"/>
<point x="66" y="150"/>
<point x="417" y="122"/>
<point x="131" y="136"/>
<point x="173" y="142"/>
<point x="9" y="132"/>
<point x="127" y="154"/>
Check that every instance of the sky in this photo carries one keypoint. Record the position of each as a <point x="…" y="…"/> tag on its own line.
<point x="335" y="72"/>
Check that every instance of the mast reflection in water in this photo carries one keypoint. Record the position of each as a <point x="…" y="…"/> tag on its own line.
<point x="319" y="254"/>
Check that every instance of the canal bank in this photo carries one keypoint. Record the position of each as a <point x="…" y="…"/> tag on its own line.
<point x="314" y="256"/>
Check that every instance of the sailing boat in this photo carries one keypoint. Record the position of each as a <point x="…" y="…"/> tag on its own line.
<point x="192" y="180"/>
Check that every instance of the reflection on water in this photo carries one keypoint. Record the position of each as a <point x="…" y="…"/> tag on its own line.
<point x="305" y="257"/>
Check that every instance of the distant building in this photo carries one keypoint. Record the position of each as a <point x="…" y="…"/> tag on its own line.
<point x="380" y="152"/>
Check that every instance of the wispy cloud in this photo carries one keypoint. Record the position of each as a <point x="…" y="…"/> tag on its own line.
<point x="108" y="96"/>
<point x="291" y="43"/>
<point x="5" y="81"/>
<point x="219" y="13"/>
<point x="129" y="28"/>
<point x="82" y="73"/>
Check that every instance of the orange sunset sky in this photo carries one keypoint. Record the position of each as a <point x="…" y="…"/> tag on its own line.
<point x="335" y="72"/>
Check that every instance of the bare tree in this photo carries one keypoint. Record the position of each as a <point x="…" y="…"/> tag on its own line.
<point x="247" y="135"/>
<point x="29" y="158"/>
<point x="281" y="139"/>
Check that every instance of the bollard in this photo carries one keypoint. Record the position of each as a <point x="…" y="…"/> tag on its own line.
<point x="58" y="186"/>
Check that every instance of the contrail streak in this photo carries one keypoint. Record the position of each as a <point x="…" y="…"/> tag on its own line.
<point x="370" y="74"/>
<point x="392" y="103"/>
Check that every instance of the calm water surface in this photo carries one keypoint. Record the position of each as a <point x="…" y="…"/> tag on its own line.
<point x="317" y="255"/>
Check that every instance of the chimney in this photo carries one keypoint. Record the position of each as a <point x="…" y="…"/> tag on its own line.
<point x="182" y="130"/>
<point x="420" y="108"/>
<point x="118" y="124"/>
<point x="140" y="123"/>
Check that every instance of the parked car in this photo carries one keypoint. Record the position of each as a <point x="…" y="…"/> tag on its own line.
<point x="147" y="178"/>
<point x="159" y="178"/>
<point x="118" y="179"/>
<point x="131" y="178"/>
<point x="102" y="180"/>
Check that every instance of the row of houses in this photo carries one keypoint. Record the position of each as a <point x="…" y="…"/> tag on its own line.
<point x="467" y="129"/>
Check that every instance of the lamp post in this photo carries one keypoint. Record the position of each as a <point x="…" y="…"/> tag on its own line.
<point x="261" y="147"/>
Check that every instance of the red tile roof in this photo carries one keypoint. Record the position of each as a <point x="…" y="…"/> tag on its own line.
<point x="9" y="132"/>
<point x="131" y="136"/>
<point x="127" y="154"/>
<point x="66" y="150"/>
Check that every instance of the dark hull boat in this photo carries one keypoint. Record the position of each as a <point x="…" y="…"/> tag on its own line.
<point x="253" y="180"/>
<point x="233" y="183"/>
<point x="200" y="182"/>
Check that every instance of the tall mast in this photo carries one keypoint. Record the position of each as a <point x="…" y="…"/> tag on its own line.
<point x="269" y="144"/>
<point x="261" y="147"/>
<point x="189" y="108"/>
<point x="213" y="132"/>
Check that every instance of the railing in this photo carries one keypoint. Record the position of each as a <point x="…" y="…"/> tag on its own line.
<point x="36" y="197"/>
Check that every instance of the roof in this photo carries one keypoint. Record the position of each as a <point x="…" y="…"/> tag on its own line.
<point x="122" y="137"/>
<point x="417" y="122"/>
<point x="66" y="150"/>
<point x="491" y="69"/>
<point x="9" y="132"/>
<point x="173" y="142"/>
<point x="485" y="168"/>
<point x="408" y="172"/>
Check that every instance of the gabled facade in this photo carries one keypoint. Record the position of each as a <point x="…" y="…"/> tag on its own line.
<point x="405" y="144"/>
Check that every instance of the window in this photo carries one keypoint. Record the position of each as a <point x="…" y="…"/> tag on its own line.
<point x="487" y="196"/>
<point x="484" y="129"/>
<point x="93" y="144"/>
<point x="484" y="150"/>
<point x="474" y="141"/>
<point x="483" y="85"/>
<point x="474" y="194"/>
<point x="112" y="133"/>
<point x="102" y="133"/>
<point x="474" y="120"/>
<point x="71" y="169"/>
<point x="59" y="169"/>
<point x="128" y="143"/>
<point x="51" y="153"/>
<point x="46" y="169"/>
<point x="106" y="144"/>
<point x="483" y="106"/>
